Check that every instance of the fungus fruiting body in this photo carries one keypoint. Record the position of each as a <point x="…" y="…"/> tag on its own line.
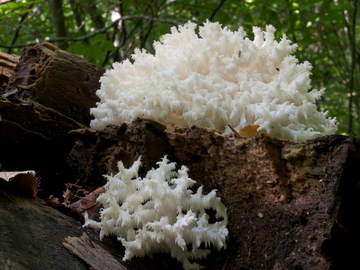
<point x="214" y="79"/>
<point x="159" y="213"/>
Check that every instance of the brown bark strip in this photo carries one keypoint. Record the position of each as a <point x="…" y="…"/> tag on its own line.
<point x="7" y="65"/>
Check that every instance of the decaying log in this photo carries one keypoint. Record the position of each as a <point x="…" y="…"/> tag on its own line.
<point x="91" y="253"/>
<point x="58" y="80"/>
<point x="291" y="205"/>
<point x="32" y="233"/>
<point x="32" y="237"/>
<point x="50" y="93"/>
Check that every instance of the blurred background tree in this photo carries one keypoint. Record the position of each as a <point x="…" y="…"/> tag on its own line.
<point x="108" y="31"/>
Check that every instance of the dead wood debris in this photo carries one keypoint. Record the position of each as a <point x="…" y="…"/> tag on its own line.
<point x="91" y="253"/>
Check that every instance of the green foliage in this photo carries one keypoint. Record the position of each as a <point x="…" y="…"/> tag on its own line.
<point x="12" y="10"/>
<point x="103" y="32"/>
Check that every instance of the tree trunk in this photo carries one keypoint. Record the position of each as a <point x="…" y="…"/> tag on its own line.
<point x="58" y="23"/>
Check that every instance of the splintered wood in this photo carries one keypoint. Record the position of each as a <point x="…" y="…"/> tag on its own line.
<point x="91" y="253"/>
<point x="7" y="65"/>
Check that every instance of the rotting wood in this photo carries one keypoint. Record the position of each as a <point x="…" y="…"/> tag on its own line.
<point x="46" y="93"/>
<point x="287" y="201"/>
<point x="32" y="233"/>
<point x="58" y="80"/>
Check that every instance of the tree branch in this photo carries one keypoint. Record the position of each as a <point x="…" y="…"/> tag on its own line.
<point x="58" y="23"/>
<point x="22" y="22"/>
<point x="17" y="28"/>
<point x="99" y="31"/>
<point x="216" y="10"/>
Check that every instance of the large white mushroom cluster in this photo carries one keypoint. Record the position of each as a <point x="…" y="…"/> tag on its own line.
<point x="159" y="213"/>
<point x="214" y="79"/>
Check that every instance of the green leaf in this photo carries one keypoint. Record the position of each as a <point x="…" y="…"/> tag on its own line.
<point x="79" y="49"/>
<point x="107" y="45"/>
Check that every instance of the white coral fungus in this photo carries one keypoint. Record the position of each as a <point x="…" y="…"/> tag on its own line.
<point x="217" y="78"/>
<point x="159" y="213"/>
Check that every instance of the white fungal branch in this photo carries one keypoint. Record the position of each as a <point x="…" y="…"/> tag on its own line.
<point x="159" y="213"/>
<point x="213" y="79"/>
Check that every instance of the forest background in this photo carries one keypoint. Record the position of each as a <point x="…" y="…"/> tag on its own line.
<point x="108" y="31"/>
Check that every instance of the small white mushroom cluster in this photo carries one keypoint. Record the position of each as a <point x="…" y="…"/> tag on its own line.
<point x="159" y="213"/>
<point x="214" y="79"/>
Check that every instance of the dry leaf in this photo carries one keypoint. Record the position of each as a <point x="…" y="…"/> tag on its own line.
<point x="53" y="202"/>
<point x="89" y="204"/>
<point x="73" y="193"/>
<point x="23" y="182"/>
<point x="78" y="208"/>
<point x="249" y="131"/>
